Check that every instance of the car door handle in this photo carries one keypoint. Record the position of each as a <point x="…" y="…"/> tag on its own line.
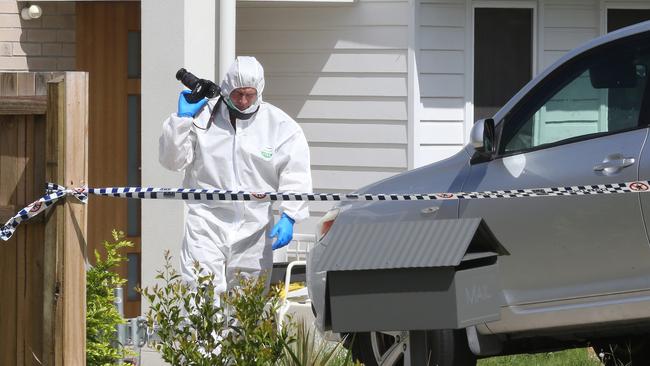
<point x="614" y="163"/>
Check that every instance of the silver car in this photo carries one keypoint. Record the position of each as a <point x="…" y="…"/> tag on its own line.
<point x="449" y="281"/>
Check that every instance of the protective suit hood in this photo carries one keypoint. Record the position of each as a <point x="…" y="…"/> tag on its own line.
<point x="245" y="72"/>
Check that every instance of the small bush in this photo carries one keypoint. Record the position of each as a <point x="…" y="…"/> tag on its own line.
<point x="102" y="317"/>
<point x="194" y="329"/>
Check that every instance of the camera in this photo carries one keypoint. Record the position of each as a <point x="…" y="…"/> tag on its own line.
<point x="201" y="88"/>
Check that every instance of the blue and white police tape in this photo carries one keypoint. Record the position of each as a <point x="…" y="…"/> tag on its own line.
<point x="55" y="192"/>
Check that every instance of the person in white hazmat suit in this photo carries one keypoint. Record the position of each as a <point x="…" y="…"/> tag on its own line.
<point x="243" y="144"/>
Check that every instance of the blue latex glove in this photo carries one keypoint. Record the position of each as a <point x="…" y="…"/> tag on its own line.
<point x="283" y="230"/>
<point x="187" y="109"/>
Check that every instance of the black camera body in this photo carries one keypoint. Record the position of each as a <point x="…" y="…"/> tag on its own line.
<point x="201" y="88"/>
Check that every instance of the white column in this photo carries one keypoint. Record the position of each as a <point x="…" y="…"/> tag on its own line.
<point x="227" y="31"/>
<point x="175" y="34"/>
<point x="200" y="24"/>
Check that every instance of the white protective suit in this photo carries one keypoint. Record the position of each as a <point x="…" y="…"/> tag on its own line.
<point x="267" y="152"/>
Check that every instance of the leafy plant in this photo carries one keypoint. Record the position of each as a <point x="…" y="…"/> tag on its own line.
<point x="308" y="350"/>
<point x="185" y="320"/>
<point x="102" y="317"/>
<point x="253" y="337"/>
<point x="196" y="329"/>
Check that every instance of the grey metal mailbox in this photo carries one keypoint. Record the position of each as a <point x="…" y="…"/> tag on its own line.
<point x="454" y="283"/>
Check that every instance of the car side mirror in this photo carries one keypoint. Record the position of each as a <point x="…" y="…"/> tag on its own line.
<point x="483" y="140"/>
<point x="482" y="137"/>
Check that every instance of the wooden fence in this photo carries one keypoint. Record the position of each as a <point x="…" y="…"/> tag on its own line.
<point x="43" y="138"/>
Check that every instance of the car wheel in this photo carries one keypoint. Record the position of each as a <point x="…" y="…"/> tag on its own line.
<point x="444" y="348"/>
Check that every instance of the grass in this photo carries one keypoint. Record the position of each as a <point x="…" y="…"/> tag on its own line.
<point x="572" y="357"/>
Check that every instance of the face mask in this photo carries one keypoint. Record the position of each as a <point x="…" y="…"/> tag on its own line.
<point x="246" y="114"/>
<point x="241" y="97"/>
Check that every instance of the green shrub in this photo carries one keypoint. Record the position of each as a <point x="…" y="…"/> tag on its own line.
<point x="253" y="337"/>
<point x="102" y="317"/>
<point x="196" y="330"/>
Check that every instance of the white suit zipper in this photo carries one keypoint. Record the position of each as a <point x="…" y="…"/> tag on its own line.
<point x="239" y="211"/>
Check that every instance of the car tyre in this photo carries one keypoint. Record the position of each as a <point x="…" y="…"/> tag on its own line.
<point x="446" y="348"/>
<point x="449" y="347"/>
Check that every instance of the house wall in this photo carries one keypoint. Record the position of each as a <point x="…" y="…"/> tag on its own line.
<point x="43" y="44"/>
<point x="441" y="68"/>
<point x="567" y="24"/>
<point x="341" y="71"/>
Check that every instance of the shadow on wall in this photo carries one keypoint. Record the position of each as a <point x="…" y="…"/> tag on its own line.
<point x="46" y="43"/>
<point x="332" y="62"/>
<point x="341" y="71"/>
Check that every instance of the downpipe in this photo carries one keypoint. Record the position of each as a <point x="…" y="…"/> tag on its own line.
<point x="134" y="334"/>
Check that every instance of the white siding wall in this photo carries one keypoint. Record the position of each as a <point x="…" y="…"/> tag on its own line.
<point x="441" y="77"/>
<point x="341" y="71"/>
<point x="566" y="25"/>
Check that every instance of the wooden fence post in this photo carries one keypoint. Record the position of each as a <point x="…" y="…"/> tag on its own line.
<point x="66" y="154"/>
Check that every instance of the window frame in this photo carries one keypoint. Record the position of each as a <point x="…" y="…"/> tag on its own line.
<point x="469" y="49"/>
<point x="558" y="77"/>
<point x="618" y="5"/>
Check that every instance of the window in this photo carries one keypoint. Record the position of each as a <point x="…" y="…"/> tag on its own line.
<point x="503" y="56"/>
<point x="619" y="18"/>
<point x="600" y="94"/>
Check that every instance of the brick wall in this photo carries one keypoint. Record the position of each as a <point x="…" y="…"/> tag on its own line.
<point x="44" y="44"/>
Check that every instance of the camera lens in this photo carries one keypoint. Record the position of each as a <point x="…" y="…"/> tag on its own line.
<point x="180" y="73"/>
<point x="187" y="78"/>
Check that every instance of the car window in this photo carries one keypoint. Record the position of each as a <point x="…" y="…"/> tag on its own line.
<point x="600" y="94"/>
